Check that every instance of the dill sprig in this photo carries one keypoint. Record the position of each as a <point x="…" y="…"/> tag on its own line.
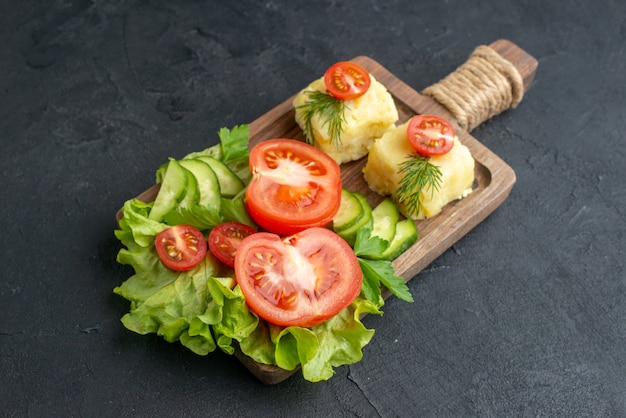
<point x="418" y="174"/>
<point x="329" y="109"/>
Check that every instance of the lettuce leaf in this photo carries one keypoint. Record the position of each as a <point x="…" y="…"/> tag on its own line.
<point x="339" y="341"/>
<point x="204" y="309"/>
<point x="136" y="228"/>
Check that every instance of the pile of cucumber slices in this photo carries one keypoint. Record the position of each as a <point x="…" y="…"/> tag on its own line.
<point x="355" y="213"/>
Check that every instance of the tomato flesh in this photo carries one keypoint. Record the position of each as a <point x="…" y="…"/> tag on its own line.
<point x="346" y="80"/>
<point x="225" y="238"/>
<point x="294" y="186"/>
<point x="180" y="247"/>
<point x="430" y="135"/>
<point x="300" y="280"/>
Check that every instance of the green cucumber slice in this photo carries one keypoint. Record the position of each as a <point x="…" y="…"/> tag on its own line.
<point x="230" y="184"/>
<point x="350" y="211"/>
<point x="192" y="193"/>
<point x="172" y="191"/>
<point x="384" y="219"/>
<point x="405" y="236"/>
<point x="349" y="234"/>
<point x="208" y="185"/>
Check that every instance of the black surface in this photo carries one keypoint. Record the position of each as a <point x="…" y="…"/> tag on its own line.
<point x="525" y="316"/>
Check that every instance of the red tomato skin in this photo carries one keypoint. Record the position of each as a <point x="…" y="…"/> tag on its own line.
<point x="180" y="247"/>
<point x="224" y="239"/>
<point x="276" y="275"/>
<point x="346" y="80"/>
<point x="294" y="186"/>
<point x="430" y="135"/>
<point x="284" y="227"/>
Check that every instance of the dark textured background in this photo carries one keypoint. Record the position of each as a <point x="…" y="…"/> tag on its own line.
<point x="525" y="316"/>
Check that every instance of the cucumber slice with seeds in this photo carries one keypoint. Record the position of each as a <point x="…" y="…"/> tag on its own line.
<point x="350" y="211"/>
<point x="208" y="185"/>
<point x="192" y="194"/>
<point x="405" y="236"/>
<point x="230" y="184"/>
<point x="349" y="234"/>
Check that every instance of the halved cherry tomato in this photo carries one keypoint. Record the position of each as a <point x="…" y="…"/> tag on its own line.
<point x="300" y="280"/>
<point x="180" y="247"/>
<point x="430" y="135"/>
<point x="346" y="80"/>
<point x="225" y="238"/>
<point x="294" y="186"/>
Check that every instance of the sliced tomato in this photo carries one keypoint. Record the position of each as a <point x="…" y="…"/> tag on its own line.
<point x="300" y="280"/>
<point x="294" y="186"/>
<point x="180" y="247"/>
<point x="346" y="80"/>
<point x="430" y="135"/>
<point x="225" y="238"/>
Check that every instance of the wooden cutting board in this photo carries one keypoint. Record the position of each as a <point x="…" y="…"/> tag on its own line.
<point x="494" y="178"/>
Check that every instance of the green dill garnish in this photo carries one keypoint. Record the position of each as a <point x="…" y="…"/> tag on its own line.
<point x="329" y="109"/>
<point x="418" y="174"/>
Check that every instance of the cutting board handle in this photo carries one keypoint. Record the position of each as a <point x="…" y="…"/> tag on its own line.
<point x="492" y="80"/>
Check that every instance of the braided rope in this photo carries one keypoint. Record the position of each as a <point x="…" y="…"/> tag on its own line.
<point x="484" y="86"/>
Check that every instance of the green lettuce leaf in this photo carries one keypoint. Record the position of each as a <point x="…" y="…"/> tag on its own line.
<point x="317" y="350"/>
<point x="236" y="322"/>
<point x="340" y="341"/>
<point x="204" y="309"/>
<point x="135" y="227"/>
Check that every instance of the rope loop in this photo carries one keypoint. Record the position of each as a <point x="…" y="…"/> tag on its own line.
<point x="484" y="86"/>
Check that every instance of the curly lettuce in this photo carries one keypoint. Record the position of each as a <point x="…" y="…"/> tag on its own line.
<point x="204" y="308"/>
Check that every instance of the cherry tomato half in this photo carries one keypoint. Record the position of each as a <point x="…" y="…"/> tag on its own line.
<point x="294" y="186"/>
<point x="346" y="80"/>
<point x="430" y="135"/>
<point x="225" y="238"/>
<point x="180" y="247"/>
<point x="300" y="280"/>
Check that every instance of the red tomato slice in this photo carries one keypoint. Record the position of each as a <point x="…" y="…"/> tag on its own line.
<point x="225" y="238"/>
<point x="347" y="80"/>
<point x="180" y="247"/>
<point x="430" y="135"/>
<point x="300" y="280"/>
<point x="294" y="186"/>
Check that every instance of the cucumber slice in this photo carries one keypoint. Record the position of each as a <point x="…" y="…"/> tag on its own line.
<point x="405" y="236"/>
<point x="384" y="219"/>
<point x="161" y="172"/>
<point x="349" y="234"/>
<point x="230" y="184"/>
<point x="192" y="193"/>
<point x="350" y="211"/>
<point x="208" y="185"/>
<point x="172" y="191"/>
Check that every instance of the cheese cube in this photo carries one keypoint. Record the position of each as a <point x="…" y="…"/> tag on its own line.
<point x="366" y="118"/>
<point x="381" y="172"/>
